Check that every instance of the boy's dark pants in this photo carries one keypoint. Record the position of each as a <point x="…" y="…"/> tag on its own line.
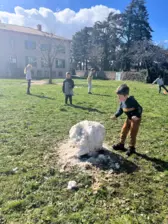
<point x="68" y="97"/>
<point x="132" y="127"/>
<point x="162" y="86"/>
<point x="28" y="86"/>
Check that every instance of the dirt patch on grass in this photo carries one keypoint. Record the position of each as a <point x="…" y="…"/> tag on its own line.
<point x="65" y="156"/>
<point x="102" y="166"/>
<point x="59" y="83"/>
<point x="40" y="82"/>
<point x="44" y="82"/>
<point x="37" y="82"/>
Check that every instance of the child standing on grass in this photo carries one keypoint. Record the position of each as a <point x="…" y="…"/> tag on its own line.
<point x="133" y="110"/>
<point x="160" y="82"/>
<point x="89" y="79"/>
<point x="67" y="88"/>
<point x="27" y="72"/>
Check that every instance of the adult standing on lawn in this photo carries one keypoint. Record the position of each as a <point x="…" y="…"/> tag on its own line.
<point x="89" y="79"/>
<point x="27" y="72"/>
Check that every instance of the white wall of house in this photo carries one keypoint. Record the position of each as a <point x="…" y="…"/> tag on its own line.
<point x="14" y="55"/>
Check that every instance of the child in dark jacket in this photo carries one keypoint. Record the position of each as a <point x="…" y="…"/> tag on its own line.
<point x="133" y="110"/>
<point x="67" y="88"/>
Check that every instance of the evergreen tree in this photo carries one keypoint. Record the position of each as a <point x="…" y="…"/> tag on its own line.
<point x="135" y="28"/>
<point x="142" y="29"/>
<point x="107" y="36"/>
<point x="121" y="42"/>
<point x="100" y="38"/>
<point x="81" y="46"/>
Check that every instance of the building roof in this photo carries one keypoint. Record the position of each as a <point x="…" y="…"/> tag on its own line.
<point x="28" y="30"/>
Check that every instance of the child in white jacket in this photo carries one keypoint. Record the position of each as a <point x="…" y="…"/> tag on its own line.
<point x="27" y="72"/>
<point x="89" y="79"/>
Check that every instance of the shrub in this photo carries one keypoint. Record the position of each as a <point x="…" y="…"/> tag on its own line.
<point x="135" y="76"/>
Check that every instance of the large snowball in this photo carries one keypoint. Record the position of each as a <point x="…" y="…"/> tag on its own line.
<point x="88" y="137"/>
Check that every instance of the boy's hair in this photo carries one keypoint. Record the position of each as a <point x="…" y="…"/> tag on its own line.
<point x="123" y="90"/>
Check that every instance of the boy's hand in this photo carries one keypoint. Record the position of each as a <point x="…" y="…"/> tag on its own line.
<point x="113" y="117"/>
<point x="135" y="118"/>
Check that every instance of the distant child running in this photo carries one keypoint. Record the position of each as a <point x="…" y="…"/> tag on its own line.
<point x="160" y="82"/>
<point x="67" y="88"/>
<point x="27" y="72"/>
<point x="133" y="110"/>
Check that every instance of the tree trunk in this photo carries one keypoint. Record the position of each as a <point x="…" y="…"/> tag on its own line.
<point x="106" y="61"/>
<point x="128" y="65"/>
<point x="50" y="75"/>
<point x="86" y="65"/>
<point x="148" y="78"/>
<point x="138" y="67"/>
<point x="80" y="66"/>
<point x="83" y="67"/>
<point x="128" y="61"/>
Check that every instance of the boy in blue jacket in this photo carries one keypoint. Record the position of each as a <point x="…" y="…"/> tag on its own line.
<point x="133" y="110"/>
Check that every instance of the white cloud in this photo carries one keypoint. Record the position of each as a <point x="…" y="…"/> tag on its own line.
<point x="162" y="43"/>
<point x="64" y="23"/>
<point x="165" y="41"/>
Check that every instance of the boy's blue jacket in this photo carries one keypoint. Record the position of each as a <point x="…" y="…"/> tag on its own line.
<point x="130" y="107"/>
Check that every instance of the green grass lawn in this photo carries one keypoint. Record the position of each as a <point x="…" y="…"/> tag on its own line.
<point x="31" y="128"/>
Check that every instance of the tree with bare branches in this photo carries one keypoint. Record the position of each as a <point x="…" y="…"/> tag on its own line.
<point x="50" y="47"/>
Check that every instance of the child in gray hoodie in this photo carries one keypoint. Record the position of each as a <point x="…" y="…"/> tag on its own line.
<point x="67" y="88"/>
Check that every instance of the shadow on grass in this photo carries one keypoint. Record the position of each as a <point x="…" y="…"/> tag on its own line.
<point x="110" y="161"/>
<point x="42" y="97"/>
<point x="96" y="94"/>
<point x="159" y="164"/>
<point x="63" y="110"/>
<point x="88" y="109"/>
<point x="96" y="86"/>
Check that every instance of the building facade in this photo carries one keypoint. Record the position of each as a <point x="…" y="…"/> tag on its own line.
<point x="20" y="46"/>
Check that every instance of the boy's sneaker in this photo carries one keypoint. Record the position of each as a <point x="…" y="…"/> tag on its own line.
<point x="119" y="146"/>
<point x="130" y="151"/>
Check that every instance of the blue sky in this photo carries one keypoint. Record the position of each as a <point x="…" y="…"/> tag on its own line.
<point x="157" y="10"/>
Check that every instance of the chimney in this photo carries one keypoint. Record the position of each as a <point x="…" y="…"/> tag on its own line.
<point x="39" y="27"/>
